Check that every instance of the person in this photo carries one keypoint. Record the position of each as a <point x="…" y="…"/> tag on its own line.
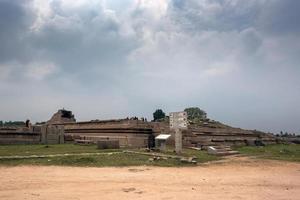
<point x="27" y="123"/>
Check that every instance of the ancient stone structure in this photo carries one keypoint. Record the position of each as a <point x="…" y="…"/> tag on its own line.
<point x="214" y="133"/>
<point x="45" y="134"/>
<point x="19" y="136"/>
<point x="129" y="133"/>
<point x="62" y="116"/>
<point x="52" y="134"/>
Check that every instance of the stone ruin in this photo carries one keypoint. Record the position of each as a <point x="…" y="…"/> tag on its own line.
<point x="62" y="127"/>
<point x="62" y="116"/>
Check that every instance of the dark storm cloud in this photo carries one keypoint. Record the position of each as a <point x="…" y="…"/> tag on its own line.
<point x="216" y="15"/>
<point x="280" y="17"/>
<point x="80" y="38"/>
<point x="79" y="42"/>
<point x="15" y="20"/>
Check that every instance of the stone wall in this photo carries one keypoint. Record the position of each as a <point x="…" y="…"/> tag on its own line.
<point x="135" y="133"/>
<point x="52" y="134"/>
<point x="129" y="133"/>
<point x="17" y="136"/>
<point x="46" y="134"/>
<point x="197" y="136"/>
<point x="210" y="134"/>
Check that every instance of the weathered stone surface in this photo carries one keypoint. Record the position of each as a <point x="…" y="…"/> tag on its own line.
<point x="108" y="144"/>
<point x="62" y="116"/>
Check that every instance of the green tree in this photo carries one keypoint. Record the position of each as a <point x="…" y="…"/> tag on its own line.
<point x="158" y="114"/>
<point x="14" y="123"/>
<point x="195" y="114"/>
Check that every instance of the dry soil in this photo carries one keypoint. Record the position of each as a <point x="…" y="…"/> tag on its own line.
<point x="237" y="179"/>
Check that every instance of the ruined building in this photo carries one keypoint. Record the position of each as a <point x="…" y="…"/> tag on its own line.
<point x="62" y="116"/>
<point x="132" y="133"/>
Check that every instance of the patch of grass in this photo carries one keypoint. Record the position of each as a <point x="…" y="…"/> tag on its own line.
<point x="23" y="150"/>
<point x="103" y="160"/>
<point x="116" y="160"/>
<point x="202" y="156"/>
<point x="276" y="152"/>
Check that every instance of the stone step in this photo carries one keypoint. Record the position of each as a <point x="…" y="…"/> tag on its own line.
<point x="221" y="151"/>
<point x="226" y="153"/>
<point x="222" y="147"/>
<point x="216" y="147"/>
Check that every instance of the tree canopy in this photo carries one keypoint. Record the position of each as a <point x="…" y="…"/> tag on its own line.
<point x="158" y="114"/>
<point x="12" y="123"/>
<point x="195" y="114"/>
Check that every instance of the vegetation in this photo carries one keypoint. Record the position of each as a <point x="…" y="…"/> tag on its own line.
<point x="201" y="156"/>
<point x="111" y="158"/>
<point x="286" y="134"/>
<point x="24" y="150"/>
<point x="92" y="161"/>
<point x="158" y="114"/>
<point x="12" y="123"/>
<point x="195" y="114"/>
<point x="277" y="152"/>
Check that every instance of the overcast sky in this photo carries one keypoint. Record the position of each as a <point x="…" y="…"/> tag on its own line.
<point x="238" y="60"/>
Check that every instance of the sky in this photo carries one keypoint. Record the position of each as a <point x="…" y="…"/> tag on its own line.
<point x="103" y="59"/>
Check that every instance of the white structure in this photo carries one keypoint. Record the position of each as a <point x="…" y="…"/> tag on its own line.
<point x="212" y="150"/>
<point x="160" y="141"/>
<point x="178" y="122"/>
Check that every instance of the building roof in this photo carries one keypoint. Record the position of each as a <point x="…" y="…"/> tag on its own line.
<point x="162" y="137"/>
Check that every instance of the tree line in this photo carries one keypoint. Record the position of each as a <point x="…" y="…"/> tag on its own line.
<point x="195" y="114"/>
<point x="12" y="123"/>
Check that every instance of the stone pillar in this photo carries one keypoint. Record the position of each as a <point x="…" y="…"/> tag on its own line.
<point x="61" y="135"/>
<point x="44" y="134"/>
<point x="162" y="145"/>
<point x="178" y="141"/>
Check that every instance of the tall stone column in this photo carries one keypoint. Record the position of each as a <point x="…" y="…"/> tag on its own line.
<point x="178" y="141"/>
<point x="44" y="134"/>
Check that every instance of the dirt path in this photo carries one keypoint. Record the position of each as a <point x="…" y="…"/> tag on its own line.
<point x="239" y="179"/>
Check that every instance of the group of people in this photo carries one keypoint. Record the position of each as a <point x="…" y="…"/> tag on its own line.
<point x="136" y="118"/>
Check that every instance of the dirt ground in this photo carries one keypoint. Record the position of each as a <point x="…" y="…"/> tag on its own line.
<point x="241" y="178"/>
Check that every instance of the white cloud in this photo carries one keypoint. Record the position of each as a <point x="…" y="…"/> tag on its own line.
<point x="40" y="70"/>
<point x="5" y="72"/>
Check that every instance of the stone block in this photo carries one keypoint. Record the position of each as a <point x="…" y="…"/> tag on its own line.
<point x="108" y="144"/>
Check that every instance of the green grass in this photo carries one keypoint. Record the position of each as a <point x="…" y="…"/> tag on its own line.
<point x="116" y="160"/>
<point x="119" y="159"/>
<point x="276" y="152"/>
<point x="202" y="156"/>
<point x="23" y="150"/>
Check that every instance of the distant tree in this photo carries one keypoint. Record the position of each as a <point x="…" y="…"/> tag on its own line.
<point x="40" y="123"/>
<point x="195" y="114"/>
<point x="158" y="114"/>
<point x="14" y="123"/>
<point x="1" y="123"/>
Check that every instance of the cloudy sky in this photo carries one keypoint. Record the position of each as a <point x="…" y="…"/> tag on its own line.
<point x="238" y="60"/>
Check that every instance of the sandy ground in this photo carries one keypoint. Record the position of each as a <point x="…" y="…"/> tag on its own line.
<point x="238" y="179"/>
